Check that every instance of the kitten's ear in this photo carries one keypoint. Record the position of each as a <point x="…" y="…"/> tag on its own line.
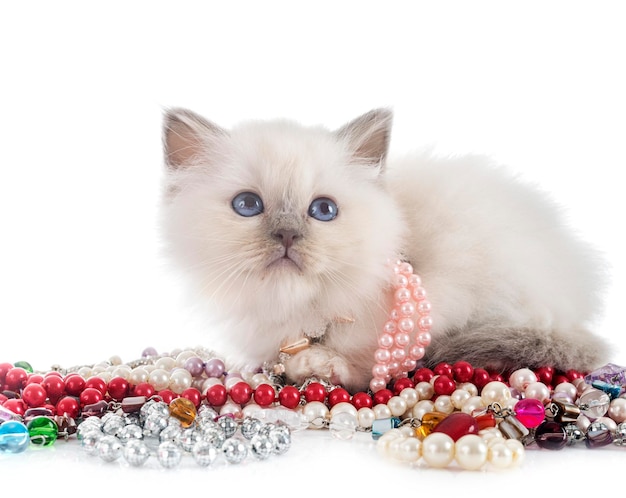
<point x="187" y="136"/>
<point x="368" y="136"/>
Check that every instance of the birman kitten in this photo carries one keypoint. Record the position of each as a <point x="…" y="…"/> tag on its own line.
<point x="286" y="231"/>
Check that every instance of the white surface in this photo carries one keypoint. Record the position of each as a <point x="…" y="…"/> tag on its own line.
<point x="538" y="85"/>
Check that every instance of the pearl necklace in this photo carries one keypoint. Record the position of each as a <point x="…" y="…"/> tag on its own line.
<point x="397" y="355"/>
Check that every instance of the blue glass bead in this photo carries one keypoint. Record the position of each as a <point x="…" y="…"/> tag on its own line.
<point x="382" y="425"/>
<point x="14" y="437"/>
<point x="611" y="389"/>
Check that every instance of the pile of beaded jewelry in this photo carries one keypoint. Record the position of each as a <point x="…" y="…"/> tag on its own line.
<point x="187" y="403"/>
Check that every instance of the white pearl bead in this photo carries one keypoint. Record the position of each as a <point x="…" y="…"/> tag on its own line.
<point x="115" y="360"/>
<point x="343" y="407"/>
<point x="316" y="414"/>
<point x="438" y="449"/>
<point x="382" y="445"/>
<point x="517" y="448"/>
<point x="159" y="378"/>
<point x="611" y="425"/>
<point x="381" y="411"/>
<point x="473" y="404"/>
<point x="495" y="392"/>
<point x="537" y="390"/>
<point x="583" y="423"/>
<point x="500" y="455"/>
<point x="406" y="449"/>
<point x="617" y="410"/>
<point x="254" y="411"/>
<point x="469" y="387"/>
<point x="231" y="409"/>
<point x="105" y="376"/>
<point x="424" y="390"/>
<point x="397" y="406"/>
<point x="138" y="375"/>
<point x="521" y="378"/>
<point x="365" y="417"/>
<point x="85" y="372"/>
<point x="407" y="431"/>
<point x="122" y="371"/>
<point x="421" y="408"/>
<point x="183" y="356"/>
<point x="180" y="379"/>
<point x="443" y="404"/>
<point x="410" y="396"/>
<point x="471" y="452"/>
<point x="165" y="363"/>
<point x="568" y="389"/>
<point x="209" y="382"/>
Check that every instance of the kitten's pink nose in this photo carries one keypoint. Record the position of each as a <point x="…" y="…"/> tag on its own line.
<point x="286" y="237"/>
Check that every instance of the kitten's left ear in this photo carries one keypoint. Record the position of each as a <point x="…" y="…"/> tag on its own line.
<point x="368" y="136"/>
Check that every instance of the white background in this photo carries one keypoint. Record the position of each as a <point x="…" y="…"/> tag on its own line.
<point x="537" y="85"/>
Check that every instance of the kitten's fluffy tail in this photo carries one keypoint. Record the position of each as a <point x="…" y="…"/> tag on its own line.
<point x="506" y="350"/>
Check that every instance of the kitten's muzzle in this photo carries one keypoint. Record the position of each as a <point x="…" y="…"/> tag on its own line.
<point x="286" y="237"/>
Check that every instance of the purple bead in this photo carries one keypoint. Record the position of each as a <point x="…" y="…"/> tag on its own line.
<point x="551" y="436"/>
<point x="195" y="366"/>
<point x="530" y="412"/>
<point x="598" y="435"/>
<point x="214" y="367"/>
<point x="148" y="352"/>
<point x="610" y="373"/>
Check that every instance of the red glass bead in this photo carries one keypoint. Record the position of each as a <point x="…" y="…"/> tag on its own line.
<point x="443" y="369"/>
<point x="118" y="388"/>
<point x="338" y="395"/>
<point x="216" y="395"/>
<point x="423" y="375"/>
<point x="16" y="405"/>
<point x="34" y="379"/>
<point x="74" y="384"/>
<point x="16" y="378"/>
<point x="264" y="395"/>
<point x="97" y="383"/>
<point x="315" y="392"/>
<point x="34" y="395"/>
<point x="402" y="384"/>
<point x="530" y="412"/>
<point x="457" y="425"/>
<point x="69" y="406"/>
<point x="90" y="395"/>
<point x="574" y="374"/>
<point x="480" y="378"/>
<point x="167" y="395"/>
<point x="144" y="389"/>
<point x="544" y="374"/>
<point x="289" y="397"/>
<point x="4" y="368"/>
<point x="485" y="420"/>
<point x="193" y="395"/>
<point x="241" y="393"/>
<point x="362" y="400"/>
<point x="462" y="371"/>
<point x="444" y="385"/>
<point x="54" y="386"/>
<point x="559" y="379"/>
<point x="382" y="397"/>
<point x="497" y="377"/>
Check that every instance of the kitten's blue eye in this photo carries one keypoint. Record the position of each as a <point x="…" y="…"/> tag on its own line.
<point x="323" y="209"/>
<point x="247" y="204"/>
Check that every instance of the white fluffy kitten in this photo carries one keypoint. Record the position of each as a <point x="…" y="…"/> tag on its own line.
<point x="284" y="229"/>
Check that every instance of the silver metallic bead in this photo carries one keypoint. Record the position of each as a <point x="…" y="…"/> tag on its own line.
<point x="87" y="426"/>
<point x="205" y="412"/>
<point x="129" y="432"/>
<point x="170" y="433"/>
<point x="281" y="439"/>
<point x="169" y="454"/>
<point x="250" y="427"/>
<point x="136" y="452"/>
<point x="154" y="424"/>
<point x="89" y="440"/>
<point x="109" y="448"/>
<point x="261" y="447"/>
<point x="187" y="438"/>
<point x="574" y="434"/>
<point x="215" y="436"/>
<point x="620" y="434"/>
<point x="234" y="450"/>
<point x="228" y="425"/>
<point x="204" y="453"/>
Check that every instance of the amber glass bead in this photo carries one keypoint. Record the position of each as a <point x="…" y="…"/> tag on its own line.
<point x="183" y="410"/>
<point x="428" y="423"/>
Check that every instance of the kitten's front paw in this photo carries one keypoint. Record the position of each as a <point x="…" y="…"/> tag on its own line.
<point x="320" y="362"/>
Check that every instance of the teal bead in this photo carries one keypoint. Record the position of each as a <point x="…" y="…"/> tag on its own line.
<point x="43" y="431"/>
<point x="25" y="365"/>
<point x="14" y="437"/>
<point x="382" y="425"/>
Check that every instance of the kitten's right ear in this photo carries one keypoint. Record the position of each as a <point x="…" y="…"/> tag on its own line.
<point x="187" y="136"/>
